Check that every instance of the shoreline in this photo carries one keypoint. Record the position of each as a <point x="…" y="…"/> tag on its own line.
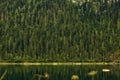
<point x="58" y="63"/>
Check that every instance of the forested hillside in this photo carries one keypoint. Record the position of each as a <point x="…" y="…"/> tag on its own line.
<point x="59" y="30"/>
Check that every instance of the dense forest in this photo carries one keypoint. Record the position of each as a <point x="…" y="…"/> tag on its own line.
<point x="60" y="30"/>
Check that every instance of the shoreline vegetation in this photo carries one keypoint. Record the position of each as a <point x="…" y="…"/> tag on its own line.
<point x="58" y="63"/>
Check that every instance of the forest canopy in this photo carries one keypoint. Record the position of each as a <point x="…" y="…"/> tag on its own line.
<point x="60" y="30"/>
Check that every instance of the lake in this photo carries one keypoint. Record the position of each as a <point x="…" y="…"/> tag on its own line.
<point x="60" y="72"/>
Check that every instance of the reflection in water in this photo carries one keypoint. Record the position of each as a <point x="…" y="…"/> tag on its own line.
<point x="59" y="72"/>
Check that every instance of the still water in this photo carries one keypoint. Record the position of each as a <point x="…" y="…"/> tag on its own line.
<point x="61" y="72"/>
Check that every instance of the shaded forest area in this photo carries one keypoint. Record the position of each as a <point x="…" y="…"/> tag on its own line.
<point x="59" y="30"/>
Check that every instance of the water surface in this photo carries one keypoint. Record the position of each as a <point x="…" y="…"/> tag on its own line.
<point x="61" y="72"/>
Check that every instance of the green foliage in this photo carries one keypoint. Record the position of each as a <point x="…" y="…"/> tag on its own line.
<point x="58" y="30"/>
